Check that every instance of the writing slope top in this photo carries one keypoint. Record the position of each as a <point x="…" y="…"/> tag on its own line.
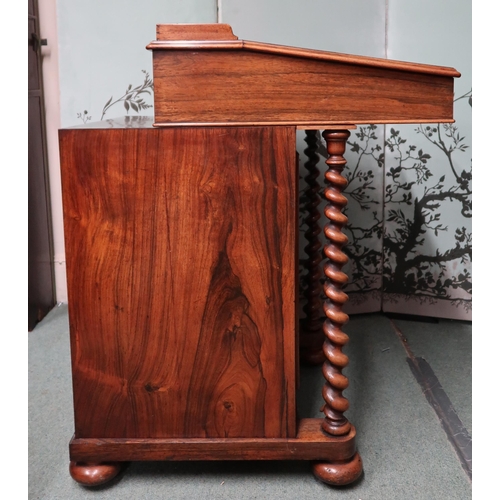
<point x="204" y="75"/>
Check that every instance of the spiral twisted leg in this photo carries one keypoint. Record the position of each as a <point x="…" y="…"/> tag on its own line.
<point x="311" y="338"/>
<point x="335" y="423"/>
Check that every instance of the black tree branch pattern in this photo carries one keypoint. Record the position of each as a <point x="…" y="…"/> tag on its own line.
<point x="365" y="227"/>
<point x="132" y="99"/>
<point x="408" y="268"/>
<point x="414" y="203"/>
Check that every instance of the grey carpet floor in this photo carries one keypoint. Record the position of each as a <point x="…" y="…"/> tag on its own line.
<point x="405" y="451"/>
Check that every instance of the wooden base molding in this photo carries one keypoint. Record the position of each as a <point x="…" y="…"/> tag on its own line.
<point x="311" y="443"/>
<point x="96" y="461"/>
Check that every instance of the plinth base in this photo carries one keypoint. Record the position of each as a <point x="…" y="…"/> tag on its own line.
<point x="311" y="443"/>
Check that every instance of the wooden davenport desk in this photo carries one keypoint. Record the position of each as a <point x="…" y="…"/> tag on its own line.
<point x="181" y="241"/>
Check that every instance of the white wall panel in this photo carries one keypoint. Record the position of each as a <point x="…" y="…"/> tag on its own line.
<point x="102" y="49"/>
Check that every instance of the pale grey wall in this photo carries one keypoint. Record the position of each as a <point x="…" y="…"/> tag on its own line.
<point x="355" y="27"/>
<point x="436" y="32"/>
<point x="102" y="48"/>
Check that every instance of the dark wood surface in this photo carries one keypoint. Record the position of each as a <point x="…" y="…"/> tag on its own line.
<point x="311" y="328"/>
<point x="309" y="444"/>
<point x="181" y="259"/>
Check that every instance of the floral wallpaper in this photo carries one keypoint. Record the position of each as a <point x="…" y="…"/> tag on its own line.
<point x="410" y="210"/>
<point x="428" y="195"/>
<point x="132" y="99"/>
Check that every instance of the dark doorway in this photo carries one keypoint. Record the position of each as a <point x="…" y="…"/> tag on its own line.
<point x="41" y="296"/>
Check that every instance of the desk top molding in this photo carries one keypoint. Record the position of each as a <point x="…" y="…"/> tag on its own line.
<point x="221" y="36"/>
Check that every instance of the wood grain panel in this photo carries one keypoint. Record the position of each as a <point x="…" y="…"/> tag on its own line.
<point x="181" y="255"/>
<point x="244" y="86"/>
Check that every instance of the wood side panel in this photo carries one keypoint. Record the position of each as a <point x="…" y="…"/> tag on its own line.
<point x="181" y="258"/>
<point x="225" y="86"/>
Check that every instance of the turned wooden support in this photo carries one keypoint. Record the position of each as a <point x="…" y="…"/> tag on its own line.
<point x="335" y="423"/>
<point x="311" y="338"/>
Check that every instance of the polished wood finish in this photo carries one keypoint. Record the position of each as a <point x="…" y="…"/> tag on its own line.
<point x="94" y="474"/>
<point x="200" y="32"/>
<point x="207" y="86"/>
<point x="230" y="81"/>
<point x="182" y="252"/>
<point x="339" y="473"/>
<point x="311" y="328"/>
<point x="335" y="423"/>
<point x="310" y="443"/>
<point x="210" y="34"/>
<point x="374" y="62"/>
<point x="181" y="256"/>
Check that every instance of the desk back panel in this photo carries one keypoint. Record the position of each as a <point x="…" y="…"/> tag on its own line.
<point x="181" y="258"/>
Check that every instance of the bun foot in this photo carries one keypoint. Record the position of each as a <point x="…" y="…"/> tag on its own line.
<point x="94" y="474"/>
<point x="339" y="474"/>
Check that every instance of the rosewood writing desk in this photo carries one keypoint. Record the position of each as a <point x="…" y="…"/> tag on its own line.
<point x="181" y="241"/>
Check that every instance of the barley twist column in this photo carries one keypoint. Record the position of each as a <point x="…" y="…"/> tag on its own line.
<point x="311" y="338"/>
<point x="335" y="423"/>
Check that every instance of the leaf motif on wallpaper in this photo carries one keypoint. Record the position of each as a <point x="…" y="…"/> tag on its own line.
<point x="363" y="251"/>
<point x="85" y="117"/>
<point x="414" y="203"/>
<point x="133" y="98"/>
<point x="363" y="232"/>
<point x="467" y="95"/>
<point x="407" y="268"/>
